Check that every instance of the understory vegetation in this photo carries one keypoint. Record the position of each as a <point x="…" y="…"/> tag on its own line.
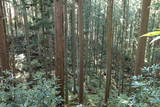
<point x="17" y="91"/>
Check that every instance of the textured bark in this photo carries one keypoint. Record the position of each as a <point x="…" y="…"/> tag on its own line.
<point x="59" y="48"/>
<point x="81" y="37"/>
<point x="109" y="48"/>
<point x="140" y="55"/>
<point x="4" y="59"/>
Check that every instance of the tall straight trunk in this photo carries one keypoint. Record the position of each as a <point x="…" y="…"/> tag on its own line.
<point x="4" y="59"/>
<point x="123" y="24"/>
<point x="59" y="47"/>
<point x="109" y="48"/>
<point x="66" y="49"/>
<point x="74" y="43"/>
<point x="140" y="55"/>
<point x="81" y="37"/>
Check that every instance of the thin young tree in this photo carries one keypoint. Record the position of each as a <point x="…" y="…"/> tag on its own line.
<point x="140" y="55"/>
<point x="59" y="47"/>
<point x="74" y="43"/>
<point x="66" y="49"/>
<point x="109" y="48"/>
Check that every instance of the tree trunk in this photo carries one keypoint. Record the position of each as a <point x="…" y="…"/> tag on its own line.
<point x="74" y="43"/>
<point x="140" y="55"/>
<point x="4" y="59"/>
<point x="66" y="51"/>
<point x="80" y="31"/>
<point x="109" y="48"/>
<point x="59" y="47"/>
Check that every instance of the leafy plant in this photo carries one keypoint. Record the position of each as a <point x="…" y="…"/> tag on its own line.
<point x="146" y="90"/>
<point x="42" y="94"/>
<point x="153" y="34"/>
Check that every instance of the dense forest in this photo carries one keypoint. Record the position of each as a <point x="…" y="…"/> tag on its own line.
<point x="79" y="53"/>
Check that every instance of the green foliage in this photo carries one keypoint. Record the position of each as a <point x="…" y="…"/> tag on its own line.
<point x="146" y="90"/>
<point x="156" y="5"/>
<point x="42" y="94"/>
<point x="120" y="101"/>
<point x="35" y="63"/>
<point x="153" y="34"/>
<point x="95" y="100"/>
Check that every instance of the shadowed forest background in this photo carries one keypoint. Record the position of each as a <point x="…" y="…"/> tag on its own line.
<point x="79" y="53"/>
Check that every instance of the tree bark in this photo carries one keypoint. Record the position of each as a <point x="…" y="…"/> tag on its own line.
<point x="109" y="48"/>
<point x="4" y="59"/>
<point x="140" y="55"/>
<point x="81" y="37"/>
<point x="59" y="47"/>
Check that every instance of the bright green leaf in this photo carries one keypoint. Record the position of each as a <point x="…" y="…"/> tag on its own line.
<point x="150" y="34"/>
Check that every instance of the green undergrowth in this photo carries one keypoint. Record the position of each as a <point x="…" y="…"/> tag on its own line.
<point x="40" y="92"/>
<point x="145" y="90"/>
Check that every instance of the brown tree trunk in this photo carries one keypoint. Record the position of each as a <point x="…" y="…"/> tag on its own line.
<point x="140" y="55"/>
<point x="66" y="50"/>
<point x="81" y="38"/>
<point x="74" y="44"/>
<point x="109" y="48"/>
<point x="59" y="47"/>
<point x="4" y="59"/>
